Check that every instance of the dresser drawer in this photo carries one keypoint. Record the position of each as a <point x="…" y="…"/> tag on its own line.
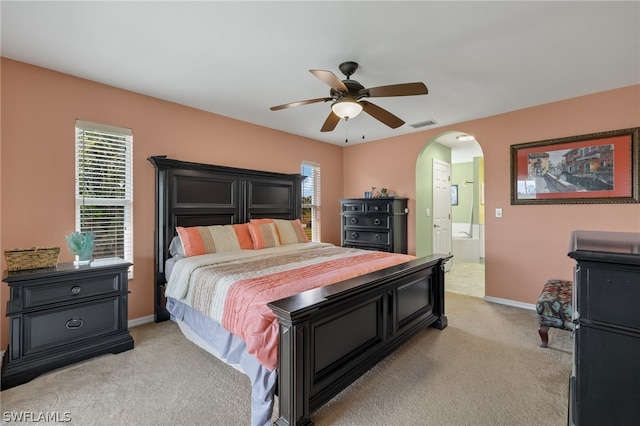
<point x="66" y="289"/>
<point x="382" y="222"/>
<point x="364" y="246"/>
<point x="611" y="296"/>
<point x="378" y="207"/>
<point x="55" y="328"/>
<point x="353" y="206"/>
<point x="367" y="207"/>
<point x="372" y="237"/>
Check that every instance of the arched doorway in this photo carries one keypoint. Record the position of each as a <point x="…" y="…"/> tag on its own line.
<point x="465" y="274"/>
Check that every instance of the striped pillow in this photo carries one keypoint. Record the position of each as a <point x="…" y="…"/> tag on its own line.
<point x="197" y="240"/>
<point x="289" y="231"/>
<point x="264" y="235"/>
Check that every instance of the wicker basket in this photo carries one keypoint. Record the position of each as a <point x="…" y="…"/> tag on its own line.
<point x="31" y="258"/>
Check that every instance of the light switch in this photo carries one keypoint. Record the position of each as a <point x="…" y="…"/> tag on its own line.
<point x="498" y="212"/>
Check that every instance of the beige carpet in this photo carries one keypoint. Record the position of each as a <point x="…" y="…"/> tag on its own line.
<point x="465" y="278"/>
<point x="485" y="368"/>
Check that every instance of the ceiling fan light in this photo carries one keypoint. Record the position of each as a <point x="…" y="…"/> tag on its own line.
<point x="346" y="108"/>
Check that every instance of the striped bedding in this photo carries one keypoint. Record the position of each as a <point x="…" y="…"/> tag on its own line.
<point x="233" y="288"/>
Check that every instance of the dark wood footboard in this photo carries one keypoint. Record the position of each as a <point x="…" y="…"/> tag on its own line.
<point x="332" y="335"/>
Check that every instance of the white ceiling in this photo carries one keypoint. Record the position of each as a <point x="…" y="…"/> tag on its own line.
<point x="239" y="58"/>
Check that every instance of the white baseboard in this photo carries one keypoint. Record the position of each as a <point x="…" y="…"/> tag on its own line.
<point x="514" y="303"/>
<point x="140" y="321"/>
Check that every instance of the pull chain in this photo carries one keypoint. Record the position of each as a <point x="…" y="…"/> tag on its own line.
<point x="346" y="130"/>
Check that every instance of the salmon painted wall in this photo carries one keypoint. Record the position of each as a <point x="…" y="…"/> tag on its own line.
<point x="528" y="245"/>
<point x="39" y="109"/>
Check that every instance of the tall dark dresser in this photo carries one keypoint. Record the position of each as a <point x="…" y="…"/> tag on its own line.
<point x="375" y="223"/>
<point x="605" y="379"/>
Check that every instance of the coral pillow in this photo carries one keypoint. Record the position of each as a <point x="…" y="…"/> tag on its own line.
<point x="197" y="240"/>
<point x="244" y="237"/>
<point x="264" y="235"/>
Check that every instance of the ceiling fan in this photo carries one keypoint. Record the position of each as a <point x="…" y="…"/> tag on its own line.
<point x="349" y="97"/>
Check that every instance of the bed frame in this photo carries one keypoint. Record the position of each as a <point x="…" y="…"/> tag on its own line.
<point x="328" y="336"/>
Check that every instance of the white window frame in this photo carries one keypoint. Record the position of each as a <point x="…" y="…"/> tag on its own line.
<point x="311" y="186"/>
<point x="115" y="140"/>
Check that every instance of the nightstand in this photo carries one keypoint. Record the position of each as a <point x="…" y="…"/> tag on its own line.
<point x="64" y="314"/>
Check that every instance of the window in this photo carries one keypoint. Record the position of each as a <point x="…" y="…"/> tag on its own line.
<point x="311" y="200"/>
<point x="104" y="188"/>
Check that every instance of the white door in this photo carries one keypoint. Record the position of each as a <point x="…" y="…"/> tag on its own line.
<point x="442" y="208"/>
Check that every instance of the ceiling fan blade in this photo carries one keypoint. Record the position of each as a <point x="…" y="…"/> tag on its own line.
<point x="381" y="115"/>
<point x="295" y="104"/>
<point x="404" y="89"/>
<point x="330" y="123"/>
<point x="331" y="79"/>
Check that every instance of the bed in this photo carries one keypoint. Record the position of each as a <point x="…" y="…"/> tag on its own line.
<point x="325" y="337"/>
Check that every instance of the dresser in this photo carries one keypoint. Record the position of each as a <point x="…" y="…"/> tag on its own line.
<point x="375" y="223"/>
<point x="65" y="314"/>
<point x="605" y="380"/>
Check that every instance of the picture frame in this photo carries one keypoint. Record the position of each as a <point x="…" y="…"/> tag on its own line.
<point x="595" y="168"/>
<point x="454" y="195"/>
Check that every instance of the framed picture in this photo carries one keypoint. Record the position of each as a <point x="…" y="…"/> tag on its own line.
<point x="595" y="168"/>
<point x="454" y="195"/>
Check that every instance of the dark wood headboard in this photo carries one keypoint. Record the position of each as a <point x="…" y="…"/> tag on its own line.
<point x="195" y="194"/>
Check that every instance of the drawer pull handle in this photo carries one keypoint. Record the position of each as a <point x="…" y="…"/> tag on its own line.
<point x="354" y="235"/>
<point x="76" y="289"/>
<point x="377" y="221"/>
<point x="74" y="323"/>
<point x="376" y="208"/>
<point x="377" y="237"/>
<point x="354" y="220"/>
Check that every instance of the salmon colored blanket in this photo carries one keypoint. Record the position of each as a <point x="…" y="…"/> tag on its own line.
<point x="236" y="293"/>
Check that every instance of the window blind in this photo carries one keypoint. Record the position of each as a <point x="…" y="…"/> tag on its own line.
<point x="104" y="187"/>
<point x="311" y="198"/>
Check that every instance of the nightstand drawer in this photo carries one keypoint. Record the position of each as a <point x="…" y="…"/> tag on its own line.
<point x="54" y="328"/>
<point x="66" y="289"/>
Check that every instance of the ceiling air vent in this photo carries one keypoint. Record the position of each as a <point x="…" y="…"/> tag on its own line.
<point x="424" y="124"/>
